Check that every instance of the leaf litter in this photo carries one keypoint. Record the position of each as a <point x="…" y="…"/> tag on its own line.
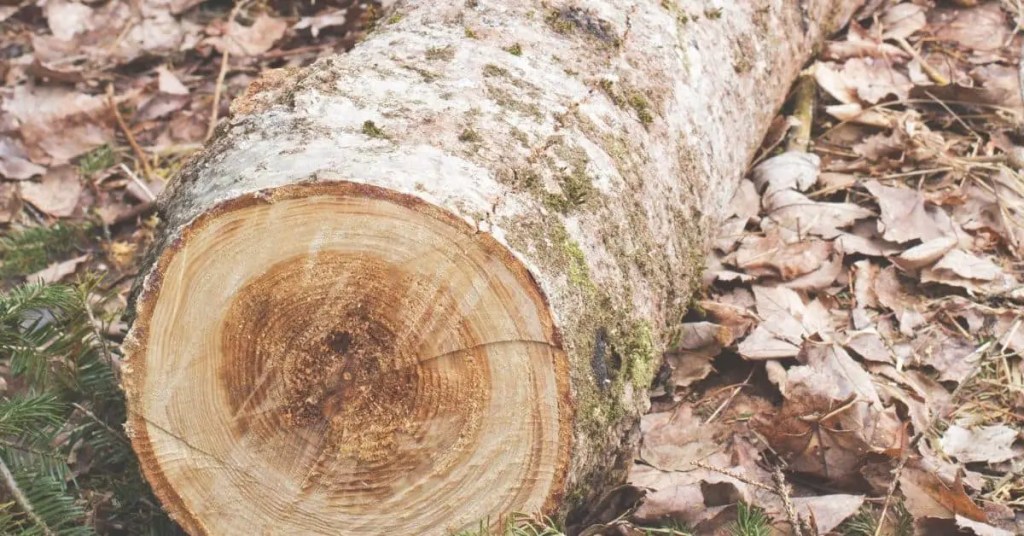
<point x="856" y="351"/>
<point x="872" y="293"/>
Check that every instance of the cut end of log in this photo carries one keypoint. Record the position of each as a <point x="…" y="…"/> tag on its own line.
<point x="334" y="355"/>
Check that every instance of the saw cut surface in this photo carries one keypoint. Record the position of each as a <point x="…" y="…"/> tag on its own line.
<point x="339" y="359"/>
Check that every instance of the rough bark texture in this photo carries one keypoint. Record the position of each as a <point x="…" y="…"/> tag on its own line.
<point x="598" y="142"/>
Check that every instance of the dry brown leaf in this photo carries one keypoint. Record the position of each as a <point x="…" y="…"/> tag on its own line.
<point x="770" y="255"/>
<point x="989" y="444"/>
<point x="168" y="82"/>
<point x="1000" y="83"/>
<point x="968" y="271"/>
<point x="796" y="212"/>
<point x="859" y="42"/>
<point x="57" y="271"/>
<point x="785" y="323"/>
<point x="827" y="511"/>
<point x="114" y="32"/>
<point x="698" y="343"/>
<point x="926" y="253"/>
<point x="737" y="318"/>
<point x="794" y="170"/>
<point x="904" y="215"/>
<point x="821" y="278"/>
<point x="944" y="351"/>
<point x="14" y="162"/>
<point x="848" y="376"/>
<point x="239" y="40"/>
<point x="926" y="495"/>
<point x="58" y="124"/>
<point x="57" y="193"/>
<point x="862" y="80"/>
<point x="673" y="440"/>
<point x="902" y="20"/>
<point x="981" y="28"/>
<point x="868" y="344"/>
<point x="980" y="529"/>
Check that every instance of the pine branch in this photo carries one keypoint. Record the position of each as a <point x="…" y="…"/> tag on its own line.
<point x="21" y="499"/>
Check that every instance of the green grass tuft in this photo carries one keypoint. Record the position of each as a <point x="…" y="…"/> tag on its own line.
<point x="750" y="521"/>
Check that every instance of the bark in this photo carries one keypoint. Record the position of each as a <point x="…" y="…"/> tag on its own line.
<point x="427" y="283"/>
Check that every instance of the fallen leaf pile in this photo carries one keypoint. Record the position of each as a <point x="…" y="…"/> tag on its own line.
<point x="858" y="351"/>
<point x="103" y="100"/>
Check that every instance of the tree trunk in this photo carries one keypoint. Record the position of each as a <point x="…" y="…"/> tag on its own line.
<point x="427" y="283"/>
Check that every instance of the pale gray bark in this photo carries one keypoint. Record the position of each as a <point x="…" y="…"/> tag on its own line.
<point x="598" y="141"/>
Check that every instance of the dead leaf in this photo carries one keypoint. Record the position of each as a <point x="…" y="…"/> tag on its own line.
<point x="785" y="323"/>
<point x="989" y="444"/>
<point x="58" y="124"/>
<point x="924" y="254"/>
<point x="980" y="529"/>
<point x="979" y="28"/>
<point x="14" y="163"/>
<point x="926" y="495"/>
<point x="976" y="274"/>
<point x="794" y="170"/>
<point x="239" y="40"/>
<point x="862" y="80"/>
<point x="771" y="255"/>
<point x="798" y="213"/>
<point x="57" y="271"/>
<point x="56" y="194"/>
<point x="944" y="351"/>
<point x="859" y="42"/>
<point x="672" y="441"/>
<point x="904" y="216"/>
<point x="902" y="20"/>
<point x="698" y="343"/>
<point x="823" y="277"/>
<point x="869" y="345"/>
<point x="168" y="83"/>
<point x="827" y="511"/>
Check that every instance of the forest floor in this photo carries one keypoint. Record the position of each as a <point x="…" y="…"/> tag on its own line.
<point x="853" y="365"/>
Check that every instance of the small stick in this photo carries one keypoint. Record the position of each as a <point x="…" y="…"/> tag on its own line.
<point x="805" y="98"/>
<point x="783" y="490"/>
<point x="97" y="420"/>
<point x="935" y="75"/>
<point x="21" y="499"/>
<point x="138" y="182"/>
<point x="139" y="154"/>
<point x="214" y="112"/>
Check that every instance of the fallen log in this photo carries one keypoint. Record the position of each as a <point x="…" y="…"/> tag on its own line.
<point x="427" y="283"/>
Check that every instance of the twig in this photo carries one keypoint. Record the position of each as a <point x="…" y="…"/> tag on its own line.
<point x="935" y="75"/>
<point x="21" y="499"/>
<point x="217" y="89"/>
<point x="805" y="98"/>
<point x="735" y="475"/>
<point x="138" y="182"/>
<point x="97" y="420"/>
<point x="139" y="154"/>
<point x="735" y="391"/>
<point x="783" y="491"/>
